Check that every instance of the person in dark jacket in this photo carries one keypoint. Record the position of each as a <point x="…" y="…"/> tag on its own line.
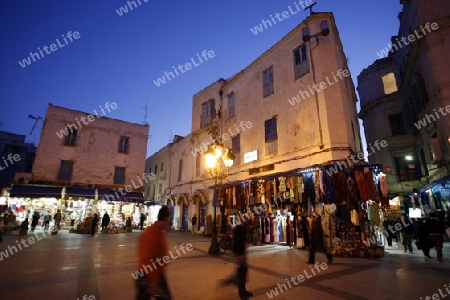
<point x="424" y="243"/>
<point x="316" y="239"/>
<point x="436" y="229"/>
<point x="105" y="221"/>
<point x="239" y="250"/>
<point x="141" y="221"/>
<point x="35" y="220"/>
<point x="94" y="224"/>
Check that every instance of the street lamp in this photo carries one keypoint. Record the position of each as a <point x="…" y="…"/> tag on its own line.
<point x="219" y="160"/>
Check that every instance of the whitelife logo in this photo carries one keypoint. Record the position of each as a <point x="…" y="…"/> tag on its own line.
<point x="71" y="36"/>
<point x="124" y="9"/>
<point x="90" y="118"/>
<point x="404" y="41"/>
<point x="340" y="75"/>
<point x="224" y="137"/>
<point x="282" y="287"/>
<point x="23" y="242"/>
<point x="432" y="117"/>
<point x="280" y="17"/>
<point x="145" y="269"/>
<point x="11" y="158"/>
<point x="187" y="66"/>
<point x="342" y="165"/>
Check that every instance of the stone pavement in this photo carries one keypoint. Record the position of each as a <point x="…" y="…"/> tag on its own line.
<point x="68" y="266"/>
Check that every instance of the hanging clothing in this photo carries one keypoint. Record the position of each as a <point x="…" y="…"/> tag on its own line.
<point x="328" y="189"/>
<point x="372" y="212"/>
<point x="352" y="192"/>
<point x="340" y="187"/>
<point x="282" y="186"/>
<point x="354" y="217"/>
<point x="309" y="187"/>
<point x="383" y="186"/>
<point x="366" y="184"/>
<point x="328" y="211"/>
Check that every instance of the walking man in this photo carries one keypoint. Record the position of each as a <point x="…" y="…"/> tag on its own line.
<point x="153" y="246"/>
<point x="94" y="224"/>
<point x="58" y="218"/>
<point x="239" y="250"/>
<point x="105" y="221"/>
<point x="436" y="230"/>
<point x="316" y="239"/>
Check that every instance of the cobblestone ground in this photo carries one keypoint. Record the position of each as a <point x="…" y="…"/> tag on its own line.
<point x="70" y="266"/>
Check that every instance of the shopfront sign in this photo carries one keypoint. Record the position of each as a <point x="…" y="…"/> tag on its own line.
<point x="250" y="156"/>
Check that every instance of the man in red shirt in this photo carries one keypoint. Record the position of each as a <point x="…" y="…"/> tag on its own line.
<point x="152" y="249"/>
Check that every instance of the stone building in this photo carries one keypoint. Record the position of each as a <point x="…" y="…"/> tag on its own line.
<point x="293" y="108"/>
<point x="86" y="163"/>
<point x="405" y="98"/>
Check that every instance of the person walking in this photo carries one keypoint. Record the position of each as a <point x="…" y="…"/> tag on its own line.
<point x="35" y="220"/>
<point x="105" y="221"/>
<point x="407" y="233"/>
<point x="47" y="218"/>
<point x="423" y="242"/>
<point x="239" y="250"/>
<point x="316" y="239"/>
<point x="57" y="217"/>
<point x="194" y="224"/>
<point x="152" y="246"/>
<point x="141" y="221"/>
<point x="94" y="224"/>
<point x="436" y="229"/>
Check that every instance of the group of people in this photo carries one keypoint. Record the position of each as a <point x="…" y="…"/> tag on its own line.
<point x="427" y="233"/>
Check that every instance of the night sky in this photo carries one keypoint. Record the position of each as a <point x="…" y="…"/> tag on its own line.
<point x="113" y="58"/>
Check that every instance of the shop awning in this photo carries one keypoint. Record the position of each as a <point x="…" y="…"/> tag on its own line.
<point x="34" y="191"/>
<point x="80" y="193"/>
<point x="115" y="195"/>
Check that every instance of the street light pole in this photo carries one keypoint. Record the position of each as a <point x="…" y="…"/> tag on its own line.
<point x="214" y="247"/>
<point x="218" y="160"/>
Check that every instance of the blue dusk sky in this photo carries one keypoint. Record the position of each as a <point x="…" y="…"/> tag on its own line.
<point x="116" y="57"/>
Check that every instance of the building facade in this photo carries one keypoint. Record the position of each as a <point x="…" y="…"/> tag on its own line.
<point x="86" y="163"/>
<point x="405" y="96"/>
<point x="293" y="108"/>
<point x="16" y="156"/>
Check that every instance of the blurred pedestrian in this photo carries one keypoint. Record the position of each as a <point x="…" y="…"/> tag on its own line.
<point x="239" y="251"/>
<point x="424" y="243"/>
<point x="407" y="233"/>
<point x="152" y="247"/>
<point x="316" y="239"/>
<point x="47" y="218"/>
<point x="94" y="224"/>
<point x="35" y="220"/>
<point x="141" y="221"/>
<point x="105" y="221"/>
<point x="57" y="217"/>
<point x="436" y="230"/>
